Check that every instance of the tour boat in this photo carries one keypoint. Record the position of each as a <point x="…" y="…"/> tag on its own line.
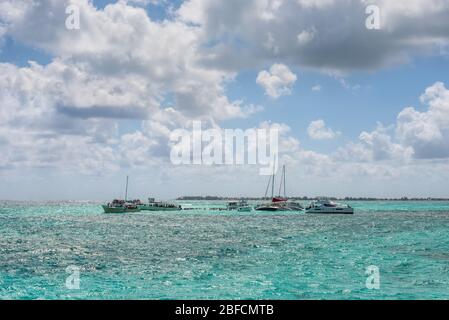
<point x="121" y="206"/>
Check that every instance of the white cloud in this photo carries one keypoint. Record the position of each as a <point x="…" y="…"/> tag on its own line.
<point x="122" y="44"/>
<point x="318" y="33"/>
<point x="381" y="147"/>
<point x="278" y="81"/>
<point x="120" y="64"/>
<point x="317" y="130"/>
<point x="415" y="135"/>
<point x="345" y="84"/>
<point x="315" y="3"/>
<point x="427" y="132"/>
<point x="143" y="2"/>
<point x="306" y="36"/>
<point x="267" y="9"/>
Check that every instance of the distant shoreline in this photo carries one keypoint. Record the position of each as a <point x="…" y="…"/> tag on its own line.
<point x="216" y="198"/>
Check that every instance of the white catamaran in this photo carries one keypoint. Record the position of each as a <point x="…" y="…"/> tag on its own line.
<point x="329" y="207"/>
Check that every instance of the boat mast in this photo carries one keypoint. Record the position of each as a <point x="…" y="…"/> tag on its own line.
<point x="268" y="186"/>
<point x="280" y="186"/>
<point x="285" y="192"/>
<point x="272" y="185"/>
<point x="126" y="190"/>
<point x="282" y="182"/>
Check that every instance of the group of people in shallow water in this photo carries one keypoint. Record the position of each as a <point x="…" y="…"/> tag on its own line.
<point x="138" y="202"/>
<point x="127" y="201"/>
<point x="116" y="202"/>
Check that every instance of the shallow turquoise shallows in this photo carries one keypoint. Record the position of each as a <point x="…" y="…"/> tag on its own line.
<point x="201" y="254"/>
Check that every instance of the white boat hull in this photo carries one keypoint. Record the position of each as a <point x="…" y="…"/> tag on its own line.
<point x="330" y="210"/>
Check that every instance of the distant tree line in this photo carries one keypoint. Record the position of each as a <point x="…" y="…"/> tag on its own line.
<point x="217" y="198"/>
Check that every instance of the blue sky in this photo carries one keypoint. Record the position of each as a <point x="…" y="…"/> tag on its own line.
<point x="375" y="100"/>
<point x="364" y="112"/>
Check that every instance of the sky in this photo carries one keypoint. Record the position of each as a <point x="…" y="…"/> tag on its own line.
<point x="362" y="105"/>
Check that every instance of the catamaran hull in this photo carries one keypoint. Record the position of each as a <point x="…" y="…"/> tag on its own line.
<point x="268" y="209"/>
<point x="330" y="211"/>
<point x="283" y="207"/>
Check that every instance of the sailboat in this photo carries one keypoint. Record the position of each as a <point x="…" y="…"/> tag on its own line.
<point x="279" y="203"/>
<point x="121" y="206"/>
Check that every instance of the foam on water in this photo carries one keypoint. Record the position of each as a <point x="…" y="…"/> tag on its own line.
<point x="202" y="254"/>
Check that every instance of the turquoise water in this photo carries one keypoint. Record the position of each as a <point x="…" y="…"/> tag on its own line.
<point x="202" y="254"/>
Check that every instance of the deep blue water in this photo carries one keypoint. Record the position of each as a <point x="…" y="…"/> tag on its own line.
<point x="202" y="254"/>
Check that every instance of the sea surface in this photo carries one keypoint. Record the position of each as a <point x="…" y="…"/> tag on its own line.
<point x="203" y="254"/>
